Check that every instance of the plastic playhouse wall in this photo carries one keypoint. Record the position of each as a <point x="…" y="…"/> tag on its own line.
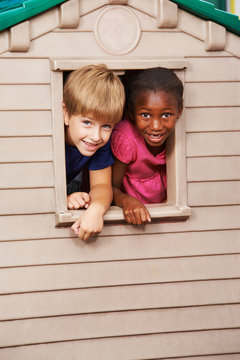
<point x="169" y="289"/>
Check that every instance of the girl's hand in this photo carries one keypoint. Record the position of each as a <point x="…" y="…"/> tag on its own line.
<point x="89" y="224"/>
<point x="78" y="200"/>
<point x="135" y="212"/>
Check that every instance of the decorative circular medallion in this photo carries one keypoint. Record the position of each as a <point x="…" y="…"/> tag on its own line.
<point x="117" y="30"/>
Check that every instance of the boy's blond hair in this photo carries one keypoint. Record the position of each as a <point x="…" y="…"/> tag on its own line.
<point x="94" y="90"/>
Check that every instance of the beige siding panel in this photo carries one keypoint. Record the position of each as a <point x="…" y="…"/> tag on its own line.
<point x="59" y="277"/>
<point x="26" y="175"/>
<point x="148" y="23"/>
<point x="27" y="201"/>
<point x="25" y="97"/>
<point x="50" y="45"/>
<point x="190" y="24"/>
<point x="43" y="23"/>
<point x="211" y="357"/>
<point x="181" y="45"/>
<point x="79" y="327"/>
<point x="213" y="168"/>
<point x="89" y="6"/>
<point x="232" y="44"/>
<point x="56" y="251"/>
<point x="140" y="347"/>
<point x="3" y="41"/>
<point x="212" y="94"/>
<point x="212" y="119"/>
<point x="24" y="71"/>
<point x="26" y="149"/>
<point x="213" y="144"/>
<point x="213" y="69"/>
<point x="119" y="298"/>
<point x="214" y="193"/>
<point x="25" y="123"/>
<point x="43" y="226"/>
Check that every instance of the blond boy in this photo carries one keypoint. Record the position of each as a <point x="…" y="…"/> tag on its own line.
<point x="93" y="100"/>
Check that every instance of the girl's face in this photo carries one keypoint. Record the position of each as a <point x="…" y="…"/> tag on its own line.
<point x="155" y="115"/>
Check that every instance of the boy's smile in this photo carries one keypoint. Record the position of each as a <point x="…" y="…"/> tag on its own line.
<point x="86" y="133"/>
<point x="155" y="115"/>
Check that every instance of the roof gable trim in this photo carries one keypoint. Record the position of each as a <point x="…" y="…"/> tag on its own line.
<point x="26" y="10"/>
<point x="207" y="11"/>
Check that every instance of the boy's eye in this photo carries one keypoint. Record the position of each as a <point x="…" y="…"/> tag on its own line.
<point x="107" y="127"/>
<point x="145" y="115"/>
<point x="86" y="122"/>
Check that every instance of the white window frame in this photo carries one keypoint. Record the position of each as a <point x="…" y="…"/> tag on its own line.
<point x="176" y="205"/>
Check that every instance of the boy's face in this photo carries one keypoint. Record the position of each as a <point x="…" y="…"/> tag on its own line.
<point x="86" y="133"/>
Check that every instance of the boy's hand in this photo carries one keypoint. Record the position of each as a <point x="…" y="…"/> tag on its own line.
<point x="135" y="212"/>
<point x="89" y="224"/>
<point x="78" y="200"/>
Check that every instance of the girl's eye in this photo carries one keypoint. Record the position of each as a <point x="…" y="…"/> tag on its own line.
<point x="145" y="115"/>
<point x="166" y="115"/>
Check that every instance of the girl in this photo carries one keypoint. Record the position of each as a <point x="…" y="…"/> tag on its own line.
<point x="154" y="103"/>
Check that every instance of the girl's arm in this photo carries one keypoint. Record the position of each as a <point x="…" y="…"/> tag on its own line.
<point x="90" y="223"/>
<point x="133" y="210"/>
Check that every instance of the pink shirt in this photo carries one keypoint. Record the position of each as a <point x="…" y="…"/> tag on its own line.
<point x="145" y="177"/>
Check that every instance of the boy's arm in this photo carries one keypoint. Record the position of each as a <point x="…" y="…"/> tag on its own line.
<point x="90" y="223"/>
<point x="133" y="210"/>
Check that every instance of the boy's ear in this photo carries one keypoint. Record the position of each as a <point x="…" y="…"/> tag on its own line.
<point x="65" y="115"/>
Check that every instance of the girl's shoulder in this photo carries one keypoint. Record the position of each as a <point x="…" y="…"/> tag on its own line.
<point x="124" y="141"/>
<point x="126" y="128"/>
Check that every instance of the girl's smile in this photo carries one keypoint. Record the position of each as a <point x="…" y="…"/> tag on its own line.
<point x="155" y="115"/>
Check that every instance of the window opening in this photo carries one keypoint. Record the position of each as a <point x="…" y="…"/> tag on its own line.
<point x="175" y="206"/>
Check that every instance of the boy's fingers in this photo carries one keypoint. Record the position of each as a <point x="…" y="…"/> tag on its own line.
<point x="86" y="197"/>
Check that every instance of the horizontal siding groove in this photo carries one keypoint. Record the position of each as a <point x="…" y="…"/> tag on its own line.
<point x="135" y="311"/>
<point x="43" y="226"/>
<point x="187" y="106"/>
<point x="118" y="337"/>
<point x="211" y="82"/>
<point x="24" y="83"/>
<point x="116" y="261"/>
<point x="139" y="336"/>
<point x="212" y="181"/>
<point x="26" y="188"/>
<point x="73" y="237"/>
<point x="119" y="298"/>
<point x="27" y="136"/>
<point x="137" y="347"/>
<point x="211" y="156"/>
<point x="175" y="282"/>
<point x="22" y="279"/>
<point x="212" y="131"/>
<point x="28" y="162"/>
<point x="118" y="249"/>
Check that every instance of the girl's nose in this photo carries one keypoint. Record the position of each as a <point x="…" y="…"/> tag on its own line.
<point x="156" y="124"/>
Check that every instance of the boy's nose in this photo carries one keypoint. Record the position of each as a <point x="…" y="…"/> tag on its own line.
<point x="95" y="134"/>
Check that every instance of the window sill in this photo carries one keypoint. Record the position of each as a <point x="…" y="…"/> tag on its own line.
<point x="115" y="214"/>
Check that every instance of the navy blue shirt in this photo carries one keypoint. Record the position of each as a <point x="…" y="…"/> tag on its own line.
<point x="75" y="161"/>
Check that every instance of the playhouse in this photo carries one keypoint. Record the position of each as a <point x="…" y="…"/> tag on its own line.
<point x="165" y="290"/>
